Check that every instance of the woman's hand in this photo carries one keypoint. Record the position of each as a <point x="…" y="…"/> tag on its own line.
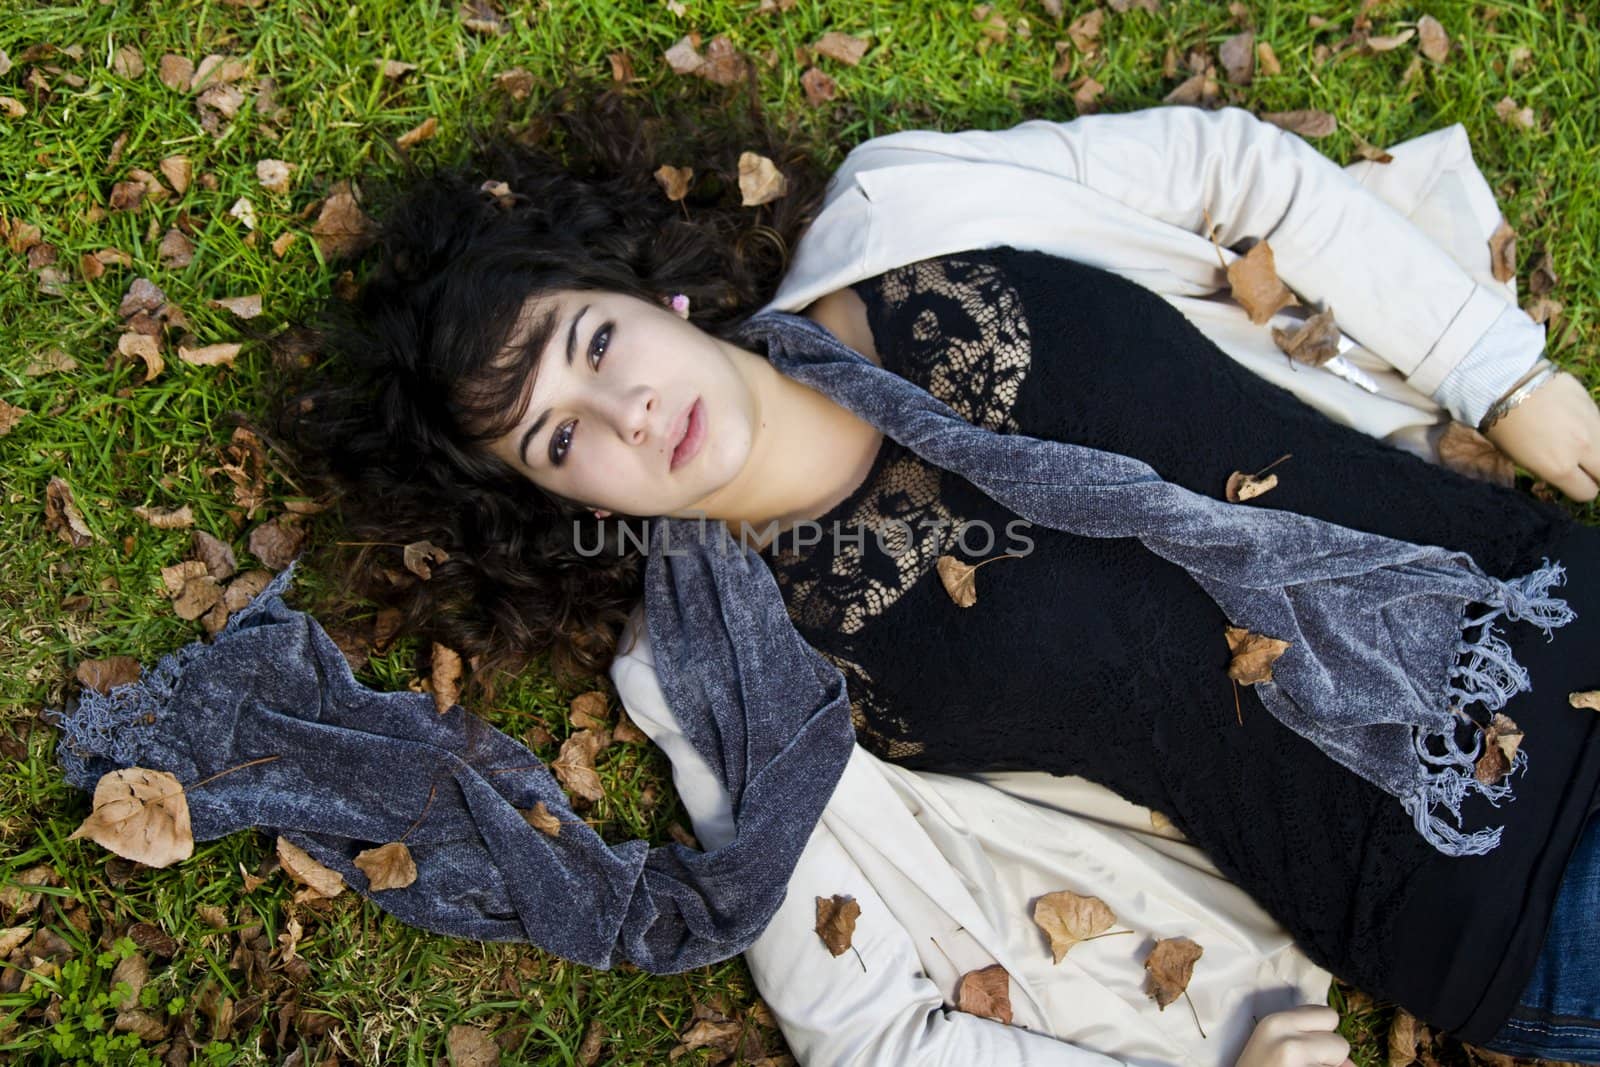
<point x="1555" y="434"/>
<point x="1300" y="1037"/>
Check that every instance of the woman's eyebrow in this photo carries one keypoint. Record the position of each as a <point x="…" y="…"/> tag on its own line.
<point x="538" y="424"/>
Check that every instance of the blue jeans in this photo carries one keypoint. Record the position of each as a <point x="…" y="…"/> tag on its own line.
<point x="1558" y="1017"/>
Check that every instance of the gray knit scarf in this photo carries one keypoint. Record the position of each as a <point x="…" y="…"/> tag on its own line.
<point x="1376" y="627"/>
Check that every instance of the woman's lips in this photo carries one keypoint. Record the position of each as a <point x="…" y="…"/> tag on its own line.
<point x="693" y="434"/>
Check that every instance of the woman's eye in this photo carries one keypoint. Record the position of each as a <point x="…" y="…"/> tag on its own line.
<point x="560" y="442"/>
<point x="598" y="345"/>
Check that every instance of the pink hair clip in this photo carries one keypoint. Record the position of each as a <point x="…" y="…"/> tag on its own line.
<point x="680" y="305"/>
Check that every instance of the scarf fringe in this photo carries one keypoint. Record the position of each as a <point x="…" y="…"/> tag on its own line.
<point x="1488" y="675"/>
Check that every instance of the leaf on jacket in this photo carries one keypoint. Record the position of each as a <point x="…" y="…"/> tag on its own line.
<point x="1503" y="252"/>
<point x="1254" y="280"/>
<point x="320" y="882"/>
<point x="540" y="818"/>
<point x="1308" y="123"/>
<point x="387" y="866"/>
<point x="1069" y="918"/>
<point x="1170" y="966"/>
<point x="446" y="677"/>
<point x="760" y="180"/>
<point x="418" y="556"/>
<point x="1242" y="486"/>
<point x="1253" y="655"/>
<point x="141" y="815"/>
<point x="1466" y="451"/>
<point x="1313" y="343"/>
<point x="1588" y="699"/>
<point x="986" y="992"/>
<point x="836" y="921"/>
<point x="574" y="765"/>
<point x="1501" y="739"/>
<point x="674" y="181"/>
<point x="959" y="580"/>
<point x="588" y="711"/>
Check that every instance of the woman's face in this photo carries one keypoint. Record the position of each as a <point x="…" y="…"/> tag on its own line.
<point x="609" y="419"/>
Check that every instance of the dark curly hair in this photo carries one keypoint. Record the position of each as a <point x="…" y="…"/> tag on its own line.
<point x="415" y="376"/>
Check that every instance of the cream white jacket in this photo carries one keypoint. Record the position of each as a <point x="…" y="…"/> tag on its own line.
<point x="946" y="869"/>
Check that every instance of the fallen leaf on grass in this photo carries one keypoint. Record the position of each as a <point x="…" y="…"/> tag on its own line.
<point x="1267" y="60"/>
<point x="419" y="133"/>
<point x="1254" y="281"/>
<point x="1242" y="486"/>
<point x="1503" y="252"/>
<point x="104" y="675"/>
<point x="1253" y="655"/>
<point x="1435" y="42"/>
<point x="684" y="56"/>
<point x="387" y="866"/>
<point x="986" y="992"/>
<point x="1313" y="343"/>
<point x="178" y="172"/>
<point x="320" y="882"/>
<point x="621" y="68"/>
<point x="722" y="63"/>
<point x="342" y="228"/>
<point x="277" y="541"/>
<point x="1069" y="918"/>
<point x="516" y="83"/>
<point x="588" y="711"/>
<point x="627" y="733"/>
<point x="1309" y="124"/>
<point x="1170" y="966"/>
<point x="471" y="1047"/>
<point x="1501" y="739"/>
<point x="244" y="307"/>
<point x="9" y="417"/>
<point x="245" y="212"/>
<point x="482" y="16"/>
<point x="1466" y="451"/>
<point x="1512" y="115"/>
<point x="760" y="181"/>
<point x="542" y="819"/>
<point x="141" y="815"/>
<point x="819" y="88"/>
<point x="842" y="47"/>
<point x="445" y="675"/>
<point x="1588" y="699"/>
<point x="61" y="514"/>
<point x="145" y="349"/>
<point x="574" y="765"/>
<point x="178" y="518"/>
<point x="1238" y="56"/>
<point x="419" y="554"/>
<point x="141" y="1024"/>
<point x="175" y="250"/>
<point x="836" y="922"/>
<point x="393" y="69"/>
<point x="135" y="970"/>
<point x="274" y="174"/>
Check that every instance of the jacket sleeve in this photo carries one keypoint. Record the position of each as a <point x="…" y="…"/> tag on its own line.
<point x="836" y="1010"/>
<point x="1338" y="245"/>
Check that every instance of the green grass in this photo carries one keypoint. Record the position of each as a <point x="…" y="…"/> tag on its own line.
<point x="372" y="990"/>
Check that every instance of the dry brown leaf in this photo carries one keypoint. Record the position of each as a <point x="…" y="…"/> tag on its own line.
<point x="588" y="711"/>
<point x="1197" y="90"/>
<point x="760" y="181"/>
<point x="419" y="133"/>
<point x="393" y="69"/>
<point x="175" y="72"/>
<point x="959" y="579"/>
<point x="1242" y="486"/>
<point x="1267" y="60"/>
<point x="245" y="212"/>
<point x="540" y="818"/>
<point x="1069" y="918"/>
<point x="722" y="63"/>
<point x="986" y="992"/>
<point x="674" y="181"/>
<point x="842" y="47"/>
<point x="482" y="16"/>
<point x="277" y="542"/>
<point x="1253" y="655"/>
<point x="244" y="307"/>
<point x="574" y="765"/>
<point x="135" y="970"/>
<point x="1435" y="42"/>
<point x="175" y="577"/>
<point x="280" y="246"/>
<point x="1170" y="966"/>
<point x="320" y="882"/>
<point x="1402" y="1039"/>
<point x="516" y="83"/>
<point x="1254" y="280"/>
<point x="1588" y="699"/>
<point x="274" y="175"/>
<point x="1389" y="42"/>
<point x="627" y="733"/>
<point x="445" y="674"/>
<point x="1466" y="451"/>
<point x="10" y="416"/>
<point x="178" y="518"/>
<point x="684" y="56"/>
<point x="146" y="349"/>
<point x="1512" y="115"/>
<point x="721" y="1034"/>
<point x="594" y="1038"/>
<point x="1307" y="123"/>
<point x="819" y="88"/>
<point x="387" y="866"/>
<point x="419" y="554"/>
<point x="175" y="250"/>
<point x="1545" y="310"/>
<point x="471" y="1047"/>
<point x="141" y="1024"/>
<point x="141" y="815"/>
<point x="1501" y="739"/>
<point x="142" y="295"/>
<point x="219" y="70"/>
<point x="1238" y="57"/>
<point x="61" y="514"/>
<point x="1084" y="32"/>
<point x="178" y="172"/>
<point x="621" y="68"/>
<point x="12" y="108"/>
<point x="342" y="228"/>
<point x="51" y="361"/>
<point x="836" y="921"/>
<point x="103" y="675"/>
<point x="1503" y="252"/>
<point x="1543" y="278"/>
<point x="1313" y="343"/>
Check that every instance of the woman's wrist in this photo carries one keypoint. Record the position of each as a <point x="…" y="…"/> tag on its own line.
<point x="1538" y="376"/>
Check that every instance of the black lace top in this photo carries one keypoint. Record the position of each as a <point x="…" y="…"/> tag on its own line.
<point x="1097" y="657"/>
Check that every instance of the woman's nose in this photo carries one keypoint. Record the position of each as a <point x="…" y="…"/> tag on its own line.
<point x="637" y="412"/>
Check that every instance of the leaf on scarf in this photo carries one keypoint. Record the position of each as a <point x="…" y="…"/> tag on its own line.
<point x="760" y="181"/>
<point x="61" y="514"/>
<point x="1501" y="739"/>
<point x="588" y="711"/>
<point x="1589" y="699"/>
<point x="1313" y="343"/>
<point x="1466" y="451"/>
<point x="1242" y="486"/>
<point x="446" y="677"/>
<point x="1254" y="280"/>
<point x="674" y="181"/>
<point x="1170" y="966"/>
<point x="419" y="554"/>
<point x="540" y="818"/>
<point x="574" y="765"/>
<point x="1503" y="252"/>
<point x="1069" y="918"/>
<point x="387" y="866"/>
<point x="959" y="580"/>
<point x="471" y="1047"/>
<point x="1253" y="655"/>
<point x="986" y="992"/>
<point x="103" y="675"/>
<point x="1402" y="1039"/>
<point x="836" y="921"/>
<point x="141" y="815"/>
<point x="320" y="882"/>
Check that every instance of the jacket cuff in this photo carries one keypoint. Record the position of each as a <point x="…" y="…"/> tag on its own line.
<point x="1488" y="370"/>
